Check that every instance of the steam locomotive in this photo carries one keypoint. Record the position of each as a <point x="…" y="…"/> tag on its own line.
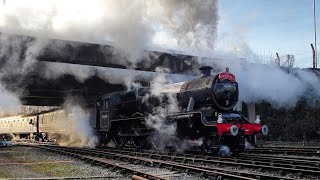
<point x="205" y="113"/>
<point x="203" y="116"/>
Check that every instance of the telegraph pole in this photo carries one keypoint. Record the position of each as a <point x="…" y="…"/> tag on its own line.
<point x="278" y="59"/>
<point x="313" y="57"/>
<point x="315" y="33"/>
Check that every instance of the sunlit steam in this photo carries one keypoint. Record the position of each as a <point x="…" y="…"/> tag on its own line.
<point x="9" y="103"/>
<point x="130" y="25"/>
<point x="266" y="82"/>
<point x="165" y="128"/>
<point x="76" y="126"/>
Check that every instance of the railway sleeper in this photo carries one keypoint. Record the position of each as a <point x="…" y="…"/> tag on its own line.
<point x="158" y="162"/>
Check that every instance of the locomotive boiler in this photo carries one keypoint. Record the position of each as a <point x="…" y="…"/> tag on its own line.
<point x="219" y="92"/>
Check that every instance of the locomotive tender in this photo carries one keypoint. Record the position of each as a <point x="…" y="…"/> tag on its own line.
<point x="204" y="114"/>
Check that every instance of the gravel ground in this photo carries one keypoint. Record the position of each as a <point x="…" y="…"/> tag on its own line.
<point x="170" y="174"/>
<point x="255" y="171"/>
<point x="290" y="156"/>
<point x="27" y="162"/>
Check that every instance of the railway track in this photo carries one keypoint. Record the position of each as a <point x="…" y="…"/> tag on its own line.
<point x="300" y="151"/>
<point x="265" y="158"/>
<point x="99" y="157"/>
<point x="241" y="167"/>
<point x="137" y="173"/>
<point x="288" y="147"/>
<point x="284" y="166"/>
<point x="291" y="144"/>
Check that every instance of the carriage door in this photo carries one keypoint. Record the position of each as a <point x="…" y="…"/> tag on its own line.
<point x="105" y="115"/>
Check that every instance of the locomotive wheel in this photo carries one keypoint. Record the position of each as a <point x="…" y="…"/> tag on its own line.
<point x="118" y="140"/>
<point x="207" y="146"/>
<point x="139" y="142"/>
<point x="137" y="114"/>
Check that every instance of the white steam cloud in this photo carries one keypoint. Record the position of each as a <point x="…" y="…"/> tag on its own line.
<point x="156" y="120"/>
<point x="267" y="82"/>
<point x="111" y="75"/>
<point x="76" y="126"/>
<point x="165" y="131"/>
<point x="9" y="103"/>
<point x="130" y="25"/>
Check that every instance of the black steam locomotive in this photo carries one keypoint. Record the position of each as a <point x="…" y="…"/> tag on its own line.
<point x="204" y="105"/>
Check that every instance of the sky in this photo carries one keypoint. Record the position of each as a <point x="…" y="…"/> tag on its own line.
<point x="270" y="26"/>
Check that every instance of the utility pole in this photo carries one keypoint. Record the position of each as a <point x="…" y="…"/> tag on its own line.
<point x="313" y="57"/>
<point x="278" y="59"/>
<point x="315" y="33"/>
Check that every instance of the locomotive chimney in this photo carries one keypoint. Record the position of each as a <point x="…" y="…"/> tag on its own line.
<point x="205" y="71"/>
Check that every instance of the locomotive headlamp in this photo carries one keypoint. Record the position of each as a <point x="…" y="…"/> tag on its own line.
<point x="264" y="130"/>
<point x="234" y="130"/>
<point x="219" y="120"/>
<point x="258" y="121"/>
